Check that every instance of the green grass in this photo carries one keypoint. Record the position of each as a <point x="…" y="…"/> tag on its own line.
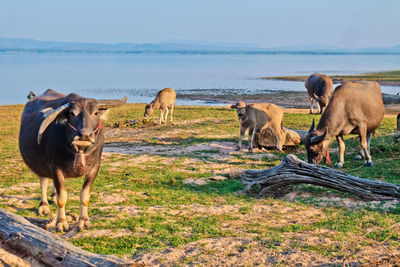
<point x="165" y="212"/>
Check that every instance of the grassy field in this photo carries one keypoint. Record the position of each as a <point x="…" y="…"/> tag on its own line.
<point x="166" y="197"/>
<point x="385" y="77"/>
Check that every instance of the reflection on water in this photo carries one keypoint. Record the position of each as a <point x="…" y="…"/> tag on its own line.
<point x="141" y="76"/>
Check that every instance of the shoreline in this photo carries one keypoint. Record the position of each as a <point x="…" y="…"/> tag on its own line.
<point x="385" y="78"/>
<point x="335" y="80"/>
<point x="291" y="100"/>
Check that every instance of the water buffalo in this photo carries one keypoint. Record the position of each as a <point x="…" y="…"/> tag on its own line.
<point x="61" y="136"/>
<point x="165" y="102"/>
<point x="355" y="108"/>
<point x="319" y="88"/>
<point x="397" y="133"/>
<point x="258" y="116"/>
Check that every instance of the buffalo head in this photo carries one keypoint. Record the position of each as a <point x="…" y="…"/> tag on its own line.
<point x="316" y="148"/>
<point x="240" y="109"/>
<point x="148" y="110"/>
<point x="81" y="117"/>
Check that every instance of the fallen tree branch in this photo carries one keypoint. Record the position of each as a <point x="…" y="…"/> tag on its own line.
<point x="292" y="171"/>
<point x="36" y="243"/>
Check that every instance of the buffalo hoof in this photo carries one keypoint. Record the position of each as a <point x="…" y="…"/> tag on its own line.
<point x="369" y="164"/>
<point x="310" y="112"/>
<point x="338" y="164"/>
<point x="250" y="150"/>
<point x="237" y="149"/>
<point x="62" y="225"/>
<point x="43" y="209"/>
<point x="83" y="223"/>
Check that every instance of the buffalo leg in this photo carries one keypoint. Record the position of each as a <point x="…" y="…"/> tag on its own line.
<point x="242" y="132"/>
<point x="62" y="223"/>
<point x="251" y="139"/>
<point x="53" y="194"/>
<point x="360" y="154"/>
<point x="319" y="107"/>
<point x="166" y="115"/>
<point x="161" y="116"/>
<point x="85" y="196"/>
<point x="44" y="204"/>
<point x="369" y="143"/>
<point x="172" y="111"/>
<point x="342" y="146"/>
<point x="364" y="145"/>
<point x="279" y="140"/>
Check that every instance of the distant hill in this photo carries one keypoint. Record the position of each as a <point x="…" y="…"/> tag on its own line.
<point x="31" y="45"/>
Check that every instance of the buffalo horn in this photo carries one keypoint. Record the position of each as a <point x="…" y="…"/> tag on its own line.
<point x="106" y="104"/>
<point x="317" y="139"/>
<point x="312" y="126"/>
<point x="49" y="119"/>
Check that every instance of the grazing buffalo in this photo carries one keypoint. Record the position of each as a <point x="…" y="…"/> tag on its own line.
<point x="259" y="116"/>
<point x="61" y="136"/>
<point x="355" y="108"/>
<point x="165" y="102"/>
<point x="319" y="88"/>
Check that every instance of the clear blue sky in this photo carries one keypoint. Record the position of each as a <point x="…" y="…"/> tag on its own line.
<point x="349" y="23"/>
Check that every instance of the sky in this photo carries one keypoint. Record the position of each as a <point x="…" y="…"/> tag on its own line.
<point x="344" y="23"/>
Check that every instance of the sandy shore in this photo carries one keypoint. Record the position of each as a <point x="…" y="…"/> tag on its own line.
<point x="289" y="99"/>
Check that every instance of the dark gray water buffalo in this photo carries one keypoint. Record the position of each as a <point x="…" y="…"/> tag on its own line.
<point x="397" y="133"/>
<point x="61" y="136"/>
<point x="319" y="88"/>
<point x="355" y="108"/>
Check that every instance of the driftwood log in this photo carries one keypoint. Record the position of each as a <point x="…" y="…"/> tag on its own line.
<point x="292" y="171"/>
<point x="18" y="234"/>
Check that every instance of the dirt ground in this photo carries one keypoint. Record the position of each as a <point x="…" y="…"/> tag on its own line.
<point x="241" y="250"/>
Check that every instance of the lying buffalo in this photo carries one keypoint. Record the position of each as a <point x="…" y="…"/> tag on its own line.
<point x="61" y="136"/>
<point x="258" y="116"/>
<point x="355" y="108"/>
<point x="319" y="88"/>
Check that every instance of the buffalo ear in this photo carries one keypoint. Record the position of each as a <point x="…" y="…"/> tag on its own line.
<point x="49" y="119"/>
<point x="106" y="104"/>
<point x="312" y="126"/>
<point x="232" y="106"/>
<point x="317" y="139"/>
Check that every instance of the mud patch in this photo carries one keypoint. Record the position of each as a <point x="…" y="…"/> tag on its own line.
<point x="204" y="181"/>
<point x="228" y="251"/>
<point x="329" y="199"/>
<point x="101" y="233"/>
<point x="17" y="201"/>
<point x="20" y="187"/>
<point x="112" y="198"/>
<point x="225" y="148"/>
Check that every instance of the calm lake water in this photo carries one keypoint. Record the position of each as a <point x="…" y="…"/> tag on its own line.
<point x="140" y="76"/>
